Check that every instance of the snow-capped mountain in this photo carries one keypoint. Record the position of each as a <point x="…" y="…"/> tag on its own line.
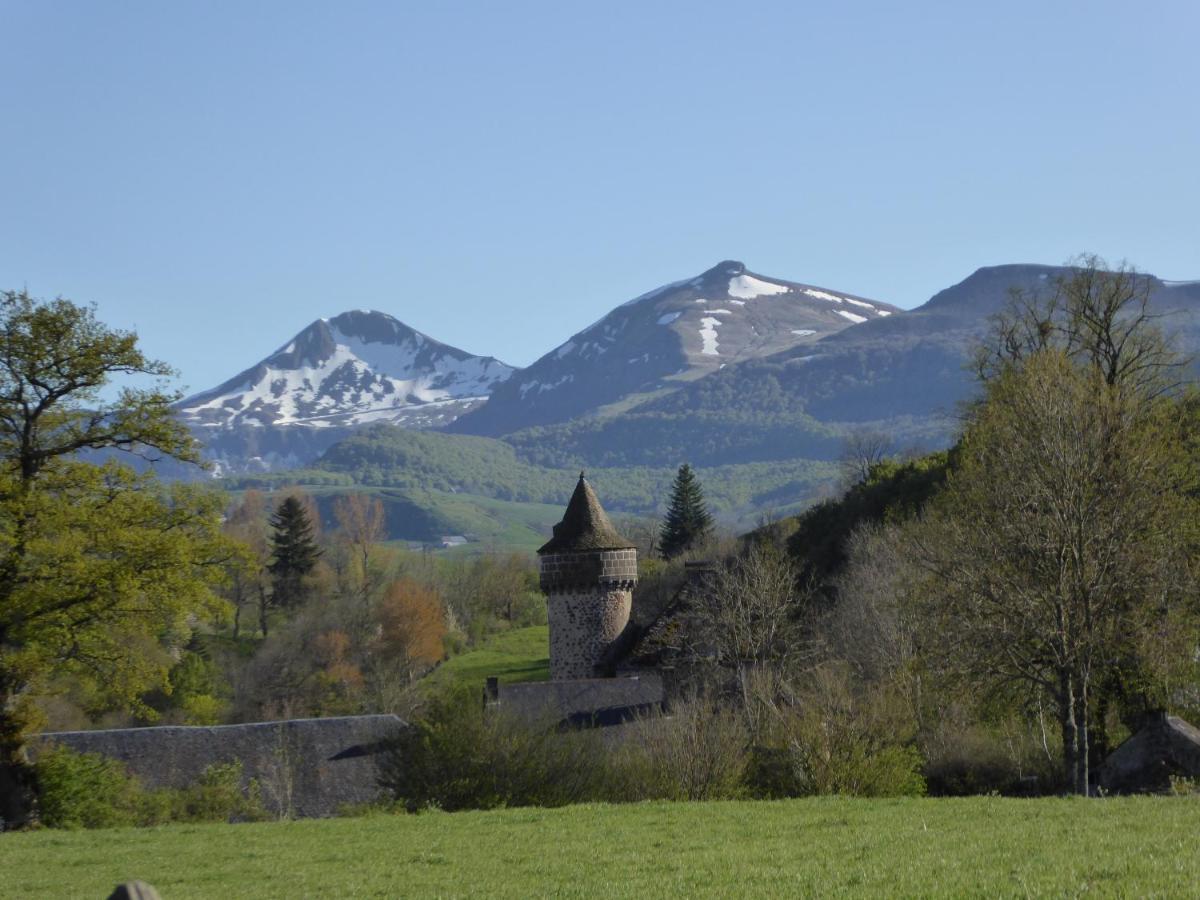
<point x="356" y="368"/>
<point x="904" y="375"/>
<point x="670" y="336"/>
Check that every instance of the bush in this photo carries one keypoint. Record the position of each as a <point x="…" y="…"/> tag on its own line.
<point x="85" y="790"/>
<point x="461" y="757"/>
<point x="218" y="797"/>
<point x="699" y="752"/>
<point x="840" y="740"/>
<point x="90" y="790"/>
<point x="966" y="757"/>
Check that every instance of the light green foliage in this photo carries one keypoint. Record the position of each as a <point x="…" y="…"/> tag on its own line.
<point x="85" y="790"/>
<point x="815" y="848"/>
<point x="89" y="790"/>
<point x="102" y="571"/>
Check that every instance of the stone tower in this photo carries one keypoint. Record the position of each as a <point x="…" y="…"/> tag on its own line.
<point x="588" y="572"/>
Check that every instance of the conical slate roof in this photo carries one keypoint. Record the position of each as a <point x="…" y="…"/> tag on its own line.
<point x="584" y="526"/>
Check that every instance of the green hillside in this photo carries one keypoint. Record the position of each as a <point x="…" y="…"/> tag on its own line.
<point x="433" y="483"/>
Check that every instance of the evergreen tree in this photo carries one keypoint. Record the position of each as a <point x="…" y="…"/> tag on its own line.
<point x="294" y="552"/>
<point x="688" y="521"/>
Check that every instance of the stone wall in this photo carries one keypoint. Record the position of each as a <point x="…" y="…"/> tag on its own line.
<point x="304" y="767"/>
<point x="583" y="626"/>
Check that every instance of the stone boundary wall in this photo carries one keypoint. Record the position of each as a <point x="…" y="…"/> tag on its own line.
<point x="607" y="568"/>
<point x="304" y="767"/>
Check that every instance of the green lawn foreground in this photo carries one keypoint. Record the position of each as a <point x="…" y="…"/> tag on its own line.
<point x="817" y="847"/>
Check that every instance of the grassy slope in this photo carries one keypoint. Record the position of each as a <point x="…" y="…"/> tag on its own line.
<point x="519" y="655"/>
<point x="971" y="847"/>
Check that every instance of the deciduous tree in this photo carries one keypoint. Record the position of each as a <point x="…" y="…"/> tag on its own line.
<point x="1064" y="533"/>
<point x="101" y="568"/>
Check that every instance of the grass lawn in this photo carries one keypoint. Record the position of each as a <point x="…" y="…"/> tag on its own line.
<point x="970" y="847"/>
<point x="522" y="654"/>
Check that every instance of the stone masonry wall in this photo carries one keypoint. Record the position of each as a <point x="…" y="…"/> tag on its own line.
<point x="304" y="767"/>
<point x="566" y="571"/>
<point x="583" y="623"/>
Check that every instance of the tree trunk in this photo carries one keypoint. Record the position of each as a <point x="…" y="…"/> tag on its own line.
<point x="1082" y="771"/>
<point x="1067" y="708"/>
<point x="17" y="778"/>
<point x="262" y="610"/>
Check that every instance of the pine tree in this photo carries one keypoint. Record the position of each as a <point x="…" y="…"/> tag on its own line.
<point x="294" y="552"/>
<point x="688" y="521"/>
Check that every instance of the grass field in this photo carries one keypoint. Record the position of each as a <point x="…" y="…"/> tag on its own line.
<point x="522" y="654"/>
<point x="970" y="847"/>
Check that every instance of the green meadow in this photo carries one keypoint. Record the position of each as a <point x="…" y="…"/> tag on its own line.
<point x="817" y="847"/>
<point x="518" y="655"/>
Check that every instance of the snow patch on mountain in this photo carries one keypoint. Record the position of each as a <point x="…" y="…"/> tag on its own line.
<point x="853" y="317"/>
<point x="823" y="295"/>
<point x="747" y="287"/>
<point x="708" y="335"/>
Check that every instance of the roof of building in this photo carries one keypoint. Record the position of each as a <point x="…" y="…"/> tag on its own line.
<point x="584" y="526"/>
<point x="584" y="702"/>
<point x="1165" y="746"/>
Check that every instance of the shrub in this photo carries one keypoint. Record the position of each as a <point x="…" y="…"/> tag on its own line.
<point x="85" y="790"/>
<point x="458" y="756"/>
<point x="966" y="757"/>
<point x="90" y="790"/>
<point x="840" y="740"/>
<point x="218" y="797"/>
<point x="699" y="752"/>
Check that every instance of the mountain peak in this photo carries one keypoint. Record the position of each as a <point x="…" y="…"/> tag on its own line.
<point x="358" y="366"/>
<point x="728" y="267"/>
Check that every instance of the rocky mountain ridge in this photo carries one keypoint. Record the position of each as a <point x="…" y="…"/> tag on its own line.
<point x="668" y="337"/>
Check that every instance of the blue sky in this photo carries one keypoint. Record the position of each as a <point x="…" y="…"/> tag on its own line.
<point x="498" y="175"/>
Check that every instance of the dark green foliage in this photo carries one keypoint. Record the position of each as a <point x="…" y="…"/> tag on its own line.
<point x="688" y="521"/>
<point x="294" y="552"/>
<point x="894" y="491"/>
<point x="461" y="757"/>
<point x="412" y="471"/>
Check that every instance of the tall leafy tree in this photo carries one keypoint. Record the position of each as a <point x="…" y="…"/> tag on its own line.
<point x="294" y="552"/>
<point x="1062" y="551"/>
<point x="101" y="567"/>
<point x="688" y="521"/>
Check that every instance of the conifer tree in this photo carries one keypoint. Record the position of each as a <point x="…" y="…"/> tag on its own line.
<point x="688" y="521"/>
<point x="294" y="552"/>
